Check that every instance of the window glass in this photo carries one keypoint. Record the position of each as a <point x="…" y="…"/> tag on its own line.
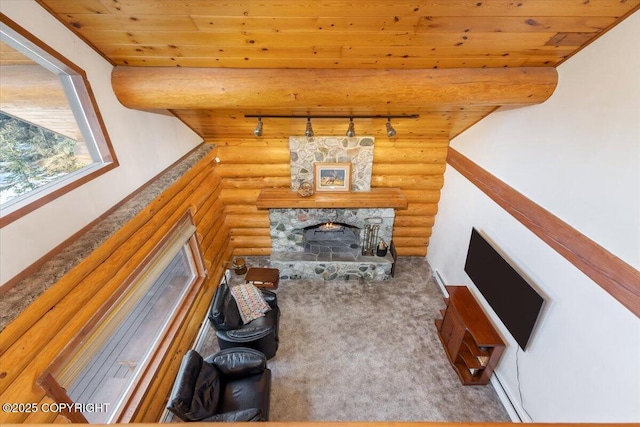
<point x="106" y="367"/>
<point x="50" y="131"/>
<point x="126" y="346"/>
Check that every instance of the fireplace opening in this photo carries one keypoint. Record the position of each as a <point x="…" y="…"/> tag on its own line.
<point x="332" y="237"/>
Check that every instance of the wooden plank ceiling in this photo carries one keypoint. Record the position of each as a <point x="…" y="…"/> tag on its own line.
<point x="339" y="35"/>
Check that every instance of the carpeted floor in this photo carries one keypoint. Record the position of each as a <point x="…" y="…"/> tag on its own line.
<point x="367" y="351"/>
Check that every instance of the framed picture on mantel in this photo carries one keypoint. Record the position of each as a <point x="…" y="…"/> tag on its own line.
<point x="332" y="176"/>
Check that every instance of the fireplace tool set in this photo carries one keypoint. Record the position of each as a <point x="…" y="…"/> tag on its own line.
<point x="370" y="242"/>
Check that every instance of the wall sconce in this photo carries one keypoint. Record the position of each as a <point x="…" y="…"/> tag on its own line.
<point x="351" y="131"/>
<point x="309" y="131"/>
<point x="258" y="130"/>
<point x="390" y="130"/>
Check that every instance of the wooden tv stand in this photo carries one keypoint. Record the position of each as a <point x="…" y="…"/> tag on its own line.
<point x="469" y="339"/>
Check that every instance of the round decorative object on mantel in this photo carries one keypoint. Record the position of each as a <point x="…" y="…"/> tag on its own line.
<point x="305" y="189"/>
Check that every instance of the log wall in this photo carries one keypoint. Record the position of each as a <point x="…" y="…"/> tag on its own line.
<point x="416" y="166"/>
<point x="30" y="344"/>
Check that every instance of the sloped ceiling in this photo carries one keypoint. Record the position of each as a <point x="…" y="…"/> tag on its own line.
<point x="337" y="37"/>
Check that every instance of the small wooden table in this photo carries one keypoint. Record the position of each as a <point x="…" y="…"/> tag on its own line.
<point x="263" y="277"/>
<point x="471" y="342"/>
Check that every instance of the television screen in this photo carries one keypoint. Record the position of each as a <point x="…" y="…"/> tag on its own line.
<point x="515" y="302"/>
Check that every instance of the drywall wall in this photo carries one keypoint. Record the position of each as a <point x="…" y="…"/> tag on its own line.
<point x="578" y="156"/>
<point x="145" y="144"/>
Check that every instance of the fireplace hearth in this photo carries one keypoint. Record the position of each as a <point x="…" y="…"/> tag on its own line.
<point x="327" y="243"/>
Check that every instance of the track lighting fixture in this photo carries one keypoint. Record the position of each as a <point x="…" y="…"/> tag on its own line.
<point x="309" y="131"/>
<point x="390" y="130"/>
<point x="258" y="130"/>
<point x="351" y="131"/>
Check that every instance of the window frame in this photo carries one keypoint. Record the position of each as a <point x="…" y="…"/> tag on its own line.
<point x="126" y="412"/>
<point x="83" y="98"/>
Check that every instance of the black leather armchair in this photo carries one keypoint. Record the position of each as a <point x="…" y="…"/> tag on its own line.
<point x="233" y="385"/>
<point x="260" y="334"/>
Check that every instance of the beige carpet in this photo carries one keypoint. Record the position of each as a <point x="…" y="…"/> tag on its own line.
<point x="367" y="351"/>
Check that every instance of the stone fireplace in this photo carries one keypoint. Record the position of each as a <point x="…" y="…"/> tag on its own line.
<point x="306" y="151"/>
<point x="322" y="236"/>
<point x="327" y="243"/>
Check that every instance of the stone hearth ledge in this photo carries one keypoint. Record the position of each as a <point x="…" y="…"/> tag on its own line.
<point x="300" y="265"/>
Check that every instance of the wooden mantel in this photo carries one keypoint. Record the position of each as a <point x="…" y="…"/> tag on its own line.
<point x="282" y="198"/>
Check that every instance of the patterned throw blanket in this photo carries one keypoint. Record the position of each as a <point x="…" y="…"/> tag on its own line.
<point x="250" y="301"/>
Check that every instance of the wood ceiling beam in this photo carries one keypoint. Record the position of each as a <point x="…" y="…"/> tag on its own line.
<point x="387" y="91"/>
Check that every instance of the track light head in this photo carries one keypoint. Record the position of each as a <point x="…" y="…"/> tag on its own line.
<point x="309" y="130"/>
<point x="351" y="131"/>
<point x="258" y="130"/>
<point x="391" y="132"/>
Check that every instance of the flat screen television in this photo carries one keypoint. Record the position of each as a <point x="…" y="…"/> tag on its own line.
<point x="517" y="304"/>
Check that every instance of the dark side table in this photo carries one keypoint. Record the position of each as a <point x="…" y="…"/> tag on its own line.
<point x="262" y="277"/>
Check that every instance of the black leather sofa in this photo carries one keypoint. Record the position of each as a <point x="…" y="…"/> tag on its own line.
<point x="233" y="385"/>
<point x="260" y="334"/>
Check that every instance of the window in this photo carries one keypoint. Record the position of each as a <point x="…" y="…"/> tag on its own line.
<point x="108" y="367"/>
<point x="52" y="138"/>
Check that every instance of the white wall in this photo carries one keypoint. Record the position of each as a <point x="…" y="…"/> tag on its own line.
<point x="578" y="156"/>
<point x="145" y="144"/>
